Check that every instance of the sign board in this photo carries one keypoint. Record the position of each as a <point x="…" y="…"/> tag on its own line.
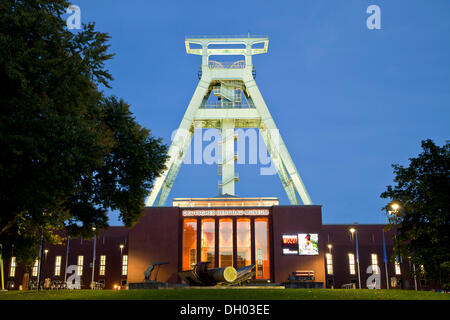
<point x="225" y="212"/>
<point x="303" y="244"/>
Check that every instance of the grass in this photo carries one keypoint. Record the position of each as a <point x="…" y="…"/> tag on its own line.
<point x="225" y="294"/>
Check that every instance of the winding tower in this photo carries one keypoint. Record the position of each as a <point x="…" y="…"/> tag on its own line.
<point x="238" y="104"/>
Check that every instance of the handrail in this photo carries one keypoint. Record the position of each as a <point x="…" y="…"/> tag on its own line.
<point x="226" y="105"/>
<point x="225" y="36"/>
<point x="226" y="64"/>
<point x="235" y="178"/>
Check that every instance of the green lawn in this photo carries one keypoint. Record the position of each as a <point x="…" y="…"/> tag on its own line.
<point x="225" y="294"/>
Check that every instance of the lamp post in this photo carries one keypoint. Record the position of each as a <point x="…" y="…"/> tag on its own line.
<point x="67" y="259"/>
<point x="44" y="260"/>
<point x="415" y="277"/>
<point x="1" y="267"/>
<point x="394" y="212"/>
<point x="385" y="261"/>
<point x="353" y="231"/>
<point x="40" y="262"/>
<point x="121" y="262"/>
<point x="93" y="258"/>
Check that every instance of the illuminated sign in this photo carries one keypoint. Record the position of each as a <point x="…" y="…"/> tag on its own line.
<point x="289" y="244"/>
<point x="300" y="244"/>
<point x="224" y="212"/>
<point x="308" y="244"/>
<point x="290" y="239"/>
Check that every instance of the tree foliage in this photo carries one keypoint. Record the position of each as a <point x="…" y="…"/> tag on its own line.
<point x="68" y="153"/>
<point x="422" y="191"/>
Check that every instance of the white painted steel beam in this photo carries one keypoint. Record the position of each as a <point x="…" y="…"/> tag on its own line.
<point x="275" y="137"/>
<point x="180" y="143"/>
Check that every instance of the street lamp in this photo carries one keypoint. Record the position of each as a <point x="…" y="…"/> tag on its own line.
<point x="395" y="206"/>
<point x="40" y="261"/>
<point x="67" y="259"/>
<point x="93" y="258"/>
<point x="395" y="213"/>
<point x="121" y="262"/>
<point x="353" y="231"/>
<point x="1" y="268"/>
<point x="329" y="247"/>
<point x="44" y="260"/>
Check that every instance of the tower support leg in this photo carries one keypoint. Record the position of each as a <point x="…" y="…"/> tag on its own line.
<point x="179" y="146"/>
<point x="228" y="174"/>
<point x="275" y="138"/>
<point x="276" y="159"/>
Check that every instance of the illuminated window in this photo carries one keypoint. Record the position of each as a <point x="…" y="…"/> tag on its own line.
<point x="125" y="265"/>
<point x="351" y="263"/>
<point x="189" y="243"/>
<point x="102" y="268"/>
<point x="80" y="265"/>
<point x="208" y="241"/>
<point x="244" y="246"/>
<point x="12" y="267"/>
<point x="374" y="263"/>
<point x="398" y="271"/>
<point x="57" y="265"/>
<point x="34" y="272"/>
<point x="262" y="248"/>
<point x="225" y="243"/>
<point x="329" y="258"/>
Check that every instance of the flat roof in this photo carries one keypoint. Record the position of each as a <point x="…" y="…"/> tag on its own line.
<point x="225" y="201"/>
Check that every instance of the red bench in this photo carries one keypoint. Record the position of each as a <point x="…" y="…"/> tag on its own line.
<point x="303" y="275"/>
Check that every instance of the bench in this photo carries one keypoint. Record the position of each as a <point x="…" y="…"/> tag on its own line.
<point x="349" y="286"/>
<point x="302" y="275"/>
<point x="96" y="285"/>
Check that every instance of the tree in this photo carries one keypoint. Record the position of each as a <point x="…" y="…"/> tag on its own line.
<point x="422" y="192"/>
<point x="68" y="153"/>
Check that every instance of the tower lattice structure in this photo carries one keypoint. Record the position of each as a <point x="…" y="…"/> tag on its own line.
<point x="239" y="104"/>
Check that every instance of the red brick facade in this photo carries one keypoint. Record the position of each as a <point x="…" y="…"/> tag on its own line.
<point x="157" y="237"/>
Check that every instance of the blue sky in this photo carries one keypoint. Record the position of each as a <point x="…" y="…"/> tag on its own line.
<point x="348" y="101"/>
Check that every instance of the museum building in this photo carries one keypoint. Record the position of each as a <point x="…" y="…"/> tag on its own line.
<point x="285" y="244"/>
<point x="280" y="241"/>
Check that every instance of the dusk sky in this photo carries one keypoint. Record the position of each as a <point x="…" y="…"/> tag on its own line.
<point x="349" y="101"/>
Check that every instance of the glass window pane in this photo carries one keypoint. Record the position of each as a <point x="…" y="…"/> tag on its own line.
<point x="225" y="242"/>
<point x="12" y="268"/>
<point x="189" y="243"/>
<point x="35" y="268"/>
<point x="207" y="244"/>
<point x="58" y="265"/>
<point x="329" y="263"/>
<point x="80" y="265"/>
<point x="262" y="248"/>
<point x="351" y="262"/>
<point x="125" y="265"/>
<point x="102" y="265"/>
<point x="243" y="243"/>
